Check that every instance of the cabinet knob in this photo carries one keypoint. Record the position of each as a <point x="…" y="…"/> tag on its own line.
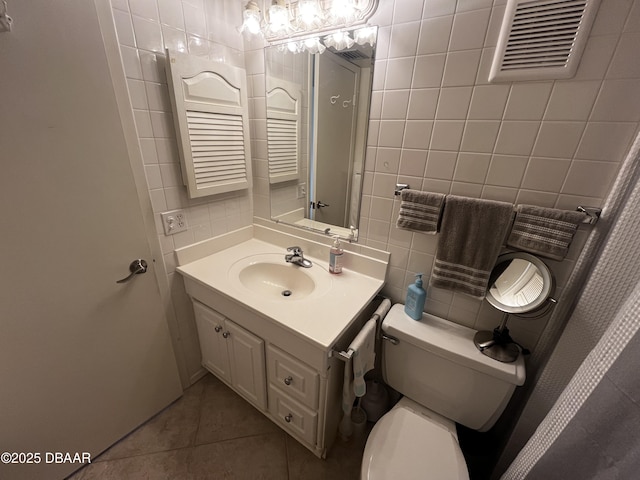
<point x="288" y="380"/>
<point x="288" y="418"/>
<point x="218" y="328"/>
<point x="226" y="334"/>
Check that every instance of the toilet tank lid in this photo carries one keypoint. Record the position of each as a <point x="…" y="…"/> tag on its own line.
<point x="451" y="341"/>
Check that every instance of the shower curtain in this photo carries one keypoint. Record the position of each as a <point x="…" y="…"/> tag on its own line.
<point x="592" y="430"/>
<point x="589" y="390"/>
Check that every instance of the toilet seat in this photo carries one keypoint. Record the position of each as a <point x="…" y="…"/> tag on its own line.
<point x="407" y="444"/>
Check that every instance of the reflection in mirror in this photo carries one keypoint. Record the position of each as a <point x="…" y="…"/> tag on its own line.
<point x="519" y="283"/>
<point x="317" y="119"/>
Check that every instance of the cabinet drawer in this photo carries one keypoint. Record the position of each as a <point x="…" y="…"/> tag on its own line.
<point x="293" y="416"/>
<point x="293" y="377"/>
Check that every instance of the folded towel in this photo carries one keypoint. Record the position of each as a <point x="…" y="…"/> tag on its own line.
<point x="420" y="211"/>
<point x="471" y="235"/>
<point x="544" y="231"/>
<point x="362" y="360"/>
<point x="364" y="355"/>
<point x="348" y="397"/>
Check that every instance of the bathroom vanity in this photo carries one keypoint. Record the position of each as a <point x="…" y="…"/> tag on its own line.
<point x="269" y="329"/>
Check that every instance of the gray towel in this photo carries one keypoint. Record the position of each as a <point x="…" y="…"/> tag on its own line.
<point x="420" y="211"/>
<point x="544" y="231"/>
<point x="471" y="235"/>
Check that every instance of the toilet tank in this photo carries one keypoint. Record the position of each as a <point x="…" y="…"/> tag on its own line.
<point x="436" y="364"/>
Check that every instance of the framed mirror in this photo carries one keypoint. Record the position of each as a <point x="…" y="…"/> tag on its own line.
<point x="317" y="125"/>
<point x="519" y="283"/>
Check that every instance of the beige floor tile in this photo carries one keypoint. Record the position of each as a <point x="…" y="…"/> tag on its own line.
<point x="226" y="415"/>
<point x="175" y="427"/>
<point x="261" y="457"/>
<point x="211" y="433"/>
<point x="172" y="465"/>
<point x="343" y="461"/>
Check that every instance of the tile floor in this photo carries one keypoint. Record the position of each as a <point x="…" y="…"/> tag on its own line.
<point x="212" y="433"/>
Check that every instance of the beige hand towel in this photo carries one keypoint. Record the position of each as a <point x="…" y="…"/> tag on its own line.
<point x="471" y="235"/>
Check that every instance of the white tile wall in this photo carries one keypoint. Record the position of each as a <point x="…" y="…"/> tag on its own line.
<point x="436" y="123"/>
<point x="203" y="28"/>
<point x="550" y="143"/>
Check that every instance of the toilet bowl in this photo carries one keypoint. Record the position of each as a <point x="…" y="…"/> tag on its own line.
<point x="445" y="380"/>
<point x="416" y="444"/>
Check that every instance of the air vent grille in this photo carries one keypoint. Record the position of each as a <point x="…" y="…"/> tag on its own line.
<point x="542" y="39"/>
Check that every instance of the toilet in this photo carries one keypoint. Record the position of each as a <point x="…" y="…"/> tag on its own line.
<point x="445" y="380"/>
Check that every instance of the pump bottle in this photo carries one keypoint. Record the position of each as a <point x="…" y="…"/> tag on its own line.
<point x="335" y="256"/>
<point x="416" y="296"/>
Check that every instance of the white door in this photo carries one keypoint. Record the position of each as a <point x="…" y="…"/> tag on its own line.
<point x="335" y="94"/>
<point x="83" y="360"/>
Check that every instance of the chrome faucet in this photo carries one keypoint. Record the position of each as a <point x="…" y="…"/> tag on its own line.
<point x="297" y="257"/>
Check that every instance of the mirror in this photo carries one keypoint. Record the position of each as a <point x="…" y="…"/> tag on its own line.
<point x="317" y="121"/>
<point x="519" y="283"/>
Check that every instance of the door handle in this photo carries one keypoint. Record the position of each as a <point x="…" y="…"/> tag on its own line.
<point x="318" y="205"/>
<point x="136" y="267"/>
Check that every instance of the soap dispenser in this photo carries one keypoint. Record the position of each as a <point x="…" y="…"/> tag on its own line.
<point x="335" y="256"/>
<point x="416" y="296"/>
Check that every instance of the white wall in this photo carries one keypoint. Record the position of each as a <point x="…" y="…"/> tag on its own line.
<point x="205" y="28"/>
<point x="438" y="125"/>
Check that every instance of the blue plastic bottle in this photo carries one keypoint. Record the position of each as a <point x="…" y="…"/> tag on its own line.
<point x="416" y="296"/>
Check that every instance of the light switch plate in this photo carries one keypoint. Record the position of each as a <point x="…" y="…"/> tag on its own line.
<point x="174" y="221"/>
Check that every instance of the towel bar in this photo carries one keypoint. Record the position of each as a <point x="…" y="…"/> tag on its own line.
<point x="344" y="356"/>
<point x="593" y="214"/>
<point x="400" y="187"/>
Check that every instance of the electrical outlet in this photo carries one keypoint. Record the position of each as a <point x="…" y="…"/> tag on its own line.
<point x="174" y="221"/>
<point x="302" y="190"/>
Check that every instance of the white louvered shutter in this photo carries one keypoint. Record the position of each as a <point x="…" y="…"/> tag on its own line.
<point x="211" y="118"/>
<point x="283" y="130"/>
<point x="542" y="39"/>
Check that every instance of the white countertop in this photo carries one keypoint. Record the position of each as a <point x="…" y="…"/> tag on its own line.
<point x="318" y="318"/>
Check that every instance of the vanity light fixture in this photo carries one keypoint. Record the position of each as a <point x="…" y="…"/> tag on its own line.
<point x="284" y="21"/>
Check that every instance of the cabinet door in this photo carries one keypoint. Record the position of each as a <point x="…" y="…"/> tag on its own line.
<point x="212" y="343"/>
<point x="246" y="354"/>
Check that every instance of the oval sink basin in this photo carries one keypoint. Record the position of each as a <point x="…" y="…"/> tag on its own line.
<point x="276" y="280"/>
<point x="270" y="277"/>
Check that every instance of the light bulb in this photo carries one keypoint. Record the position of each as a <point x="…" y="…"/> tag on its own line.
<point x="309" y="13"/>
<point x="314" y="46"/>
<point x="339" y="40"/>
<point x="343" y="11"/>
<point x="251" y="16"/>
<point x="365" y="35"/>
<point x="278" y="18"/>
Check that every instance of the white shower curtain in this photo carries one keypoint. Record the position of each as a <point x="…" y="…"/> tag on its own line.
<point x="590" y="390"/>
<point x="592" y="432"/>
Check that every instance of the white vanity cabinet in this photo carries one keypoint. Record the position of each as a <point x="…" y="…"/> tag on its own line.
<point x="233" y="354"/>
<point x="293" y="393"/>
<point x="298" y="389"/>
<point x="276" y="350"/>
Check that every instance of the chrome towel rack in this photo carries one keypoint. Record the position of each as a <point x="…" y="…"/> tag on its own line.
<point x="592" y="213"/>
